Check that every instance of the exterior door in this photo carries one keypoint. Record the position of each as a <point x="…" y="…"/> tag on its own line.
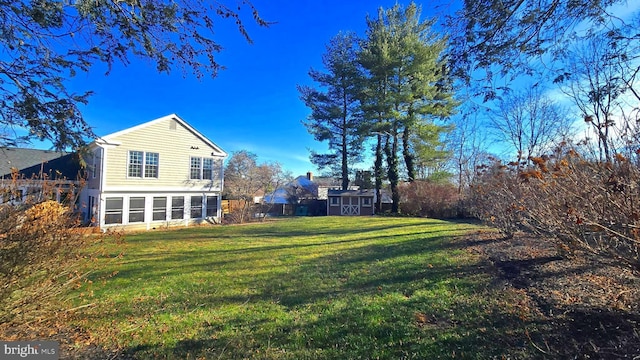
<point x="350" y="205"/>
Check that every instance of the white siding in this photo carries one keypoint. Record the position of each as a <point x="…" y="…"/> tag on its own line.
<point x="175" y="145"/>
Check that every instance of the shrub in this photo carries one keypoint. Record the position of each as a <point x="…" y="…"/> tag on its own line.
<point x="425" y="198"/>
<point x="42" y="249"/>
<point x="585" y="204"/>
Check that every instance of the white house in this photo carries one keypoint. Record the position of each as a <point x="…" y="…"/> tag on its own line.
<point x="160" y="173"/>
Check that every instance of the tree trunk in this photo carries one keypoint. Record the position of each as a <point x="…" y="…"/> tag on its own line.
<point x="391" y="152"/>
<point x="344" y="150"/>
<point x="377" y="171"/>
<point x="409" y="158"/>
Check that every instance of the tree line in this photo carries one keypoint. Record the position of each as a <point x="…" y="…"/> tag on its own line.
<point x="393" y="88"/>
<point x="497" y="79"/>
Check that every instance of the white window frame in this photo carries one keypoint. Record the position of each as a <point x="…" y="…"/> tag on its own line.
<point x="114" y="211"/>
<point x="201" y="167"/>
<point x="94" y="166"/>
<point x="335" y="201"/>
<point x="192" y="208"/>
<point x="149" y="166"/>
<point x="198" y="167"/>
<point x="175" y="208"/>
<point x="137" y="210"/>
<point x="130" y="163"/>
<point x="159" y="210"/>
<point x="144" y="162"/>
<point x="211" y="200"/>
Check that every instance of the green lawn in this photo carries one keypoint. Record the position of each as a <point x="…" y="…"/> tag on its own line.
<point x="303" y="288"/>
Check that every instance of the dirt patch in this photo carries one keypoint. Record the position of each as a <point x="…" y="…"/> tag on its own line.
<point x="582" y="307"/>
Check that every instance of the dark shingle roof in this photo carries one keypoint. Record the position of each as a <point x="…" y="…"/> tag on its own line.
<point x="31" y="162"/>
<point x="364" y="192"/>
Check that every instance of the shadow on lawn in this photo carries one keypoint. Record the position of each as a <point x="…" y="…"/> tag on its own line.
<point x="393" y="300"/>
<point x="372" y="301"/>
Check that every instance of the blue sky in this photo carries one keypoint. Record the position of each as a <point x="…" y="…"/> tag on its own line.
<point x="252" y="105"/>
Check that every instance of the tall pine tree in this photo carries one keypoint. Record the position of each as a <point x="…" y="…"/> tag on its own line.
<point x="407" y="86"/>
<point x="336" y="116"/>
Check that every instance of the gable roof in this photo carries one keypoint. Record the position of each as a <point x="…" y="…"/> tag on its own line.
<point x="109" y="139"/>
<point x="33" y="162"/>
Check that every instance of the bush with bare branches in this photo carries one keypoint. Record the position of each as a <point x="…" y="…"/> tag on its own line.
<point x="42" y="251"/>
<point x="430" y="199"/>
<point x="585" y="204"/>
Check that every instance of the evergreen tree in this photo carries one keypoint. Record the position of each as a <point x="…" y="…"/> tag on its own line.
<point x="336" y="116"/>
<point x="376" y="57"/>
<point x="407" y="87"/>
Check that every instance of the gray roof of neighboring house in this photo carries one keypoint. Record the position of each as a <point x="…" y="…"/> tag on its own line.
<point x="31" y="162"/>
<point x="300" y="186"/>
<point x="327" y="181"/>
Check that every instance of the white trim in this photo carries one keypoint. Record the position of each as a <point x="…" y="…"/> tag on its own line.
<point x="148" y="216"/>
<point x="143" y="169"/>
<point x="349" y="209"/>
<point x="189" y="188"/>
<point x="155" y="189"/>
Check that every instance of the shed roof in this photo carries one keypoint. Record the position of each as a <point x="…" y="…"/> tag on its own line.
<point x="363" y="192"/>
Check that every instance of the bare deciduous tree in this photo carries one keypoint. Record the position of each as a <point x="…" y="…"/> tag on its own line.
<point x="530" y="122"/>
<point x="244" y="178"/>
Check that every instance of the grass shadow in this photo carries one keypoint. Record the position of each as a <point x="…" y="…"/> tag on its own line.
<point x="369" y="290"/>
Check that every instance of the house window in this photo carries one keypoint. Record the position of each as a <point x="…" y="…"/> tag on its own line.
<point x="136" y="209"/>
<point x="90" y="209"/>
<point x="177" y="207"/>
<point x="366" y="202"/>
<point x="135" y="163"/>
<point x="207" y="169"/>
<point x="203" y="168"/>
<point x="143" y="163"/>
<point x="196" y="167"/>
<point x="196" y="207"/>
<point x="212" y="206"/>
<point x="113" y="211"/>
<point x="94" y="165"/>
<point x="151" y="165"/>
<point x="335" y="201"/>
<point x="159" y="208"/>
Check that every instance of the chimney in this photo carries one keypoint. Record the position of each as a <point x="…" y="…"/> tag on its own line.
<point x="310" y="176"/>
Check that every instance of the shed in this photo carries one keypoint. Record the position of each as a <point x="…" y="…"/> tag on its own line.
<point x="350" y="202"/>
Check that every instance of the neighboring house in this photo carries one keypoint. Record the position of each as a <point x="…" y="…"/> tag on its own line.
<point x="299" y="189"/>
<point x="303" y="195"/>
<point x="297" y="197"/>
<point x="39" y="173"/>
<point x="351" y="202"/>
<point x="160" y="173"/>
<point x="329" y="183"/>
<point x="344" y="202"/>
